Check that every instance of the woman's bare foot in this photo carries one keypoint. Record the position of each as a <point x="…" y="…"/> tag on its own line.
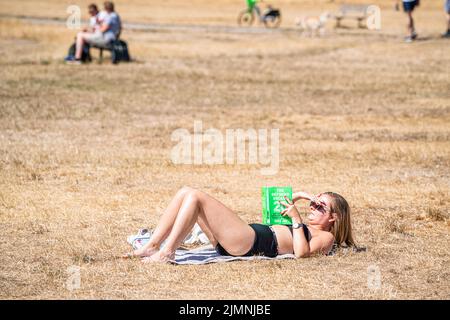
<point x="145" y="251"/>
<point x="160" y="257"/>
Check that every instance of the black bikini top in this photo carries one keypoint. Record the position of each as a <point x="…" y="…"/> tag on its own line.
<point x="305" y="231"/>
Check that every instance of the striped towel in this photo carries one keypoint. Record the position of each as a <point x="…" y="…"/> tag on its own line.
<point x="208" y="254"/>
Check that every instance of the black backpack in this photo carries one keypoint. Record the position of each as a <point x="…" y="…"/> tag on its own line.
<point x="85" y="55"/>
<point x="119" y="51"/>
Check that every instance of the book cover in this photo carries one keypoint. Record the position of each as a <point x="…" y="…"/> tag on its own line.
<point x="271" y="208"/>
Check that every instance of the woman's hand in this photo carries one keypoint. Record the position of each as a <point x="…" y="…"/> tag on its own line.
<point x="301" y="195"/>
<point x="290" y="210"/>
<point x="306" y="196"/>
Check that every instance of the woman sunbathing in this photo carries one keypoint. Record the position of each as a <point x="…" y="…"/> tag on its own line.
<point x="328" y="224"/>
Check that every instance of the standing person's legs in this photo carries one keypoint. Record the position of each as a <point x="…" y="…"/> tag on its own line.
<point x="447" y="10"/>
<point x="408" y="7"/>
<point x="411" y="27"/>
<point x="224" y="226"/>
<point x="448" y="20"/>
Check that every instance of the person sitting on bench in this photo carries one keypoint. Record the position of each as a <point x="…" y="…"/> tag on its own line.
<point x="110" y="28"/>
<point x="94" y="19"/>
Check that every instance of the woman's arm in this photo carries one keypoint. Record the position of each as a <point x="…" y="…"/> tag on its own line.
<point x="302" y="248"/>
<point x="321" y="243"/>
<point x="301" y="195"/>
<point x="301" y="245"/>
<point x="299" y="241"/>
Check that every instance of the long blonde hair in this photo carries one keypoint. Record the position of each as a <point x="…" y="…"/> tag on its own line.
<point x="342" y="226"/>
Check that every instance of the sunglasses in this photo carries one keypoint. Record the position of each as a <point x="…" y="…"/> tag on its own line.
<point x="318" y="207"/>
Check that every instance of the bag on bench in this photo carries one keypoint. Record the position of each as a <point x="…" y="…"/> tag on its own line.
<point x="119" y="51"/>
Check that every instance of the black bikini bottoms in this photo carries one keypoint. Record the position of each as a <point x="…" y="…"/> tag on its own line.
<point x="265" y="241"/>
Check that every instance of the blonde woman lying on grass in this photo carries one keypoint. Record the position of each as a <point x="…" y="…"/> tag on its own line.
<point x="328" y="224"/>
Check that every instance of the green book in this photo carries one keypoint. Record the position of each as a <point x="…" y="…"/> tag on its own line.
<point x="271" y="208"/>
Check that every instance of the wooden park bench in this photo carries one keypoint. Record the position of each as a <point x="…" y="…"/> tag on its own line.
<point x="356" y="12"/>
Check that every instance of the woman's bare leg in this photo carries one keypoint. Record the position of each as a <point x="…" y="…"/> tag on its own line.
<point x="164" y="226"/>
<point x="236" y="236"/>
<point x="79" y="45"/>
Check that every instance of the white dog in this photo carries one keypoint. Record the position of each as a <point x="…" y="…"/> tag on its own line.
<point x="313" y="25"/>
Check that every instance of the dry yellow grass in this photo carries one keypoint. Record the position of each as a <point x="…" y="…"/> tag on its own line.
<point x="84" y="151"/>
